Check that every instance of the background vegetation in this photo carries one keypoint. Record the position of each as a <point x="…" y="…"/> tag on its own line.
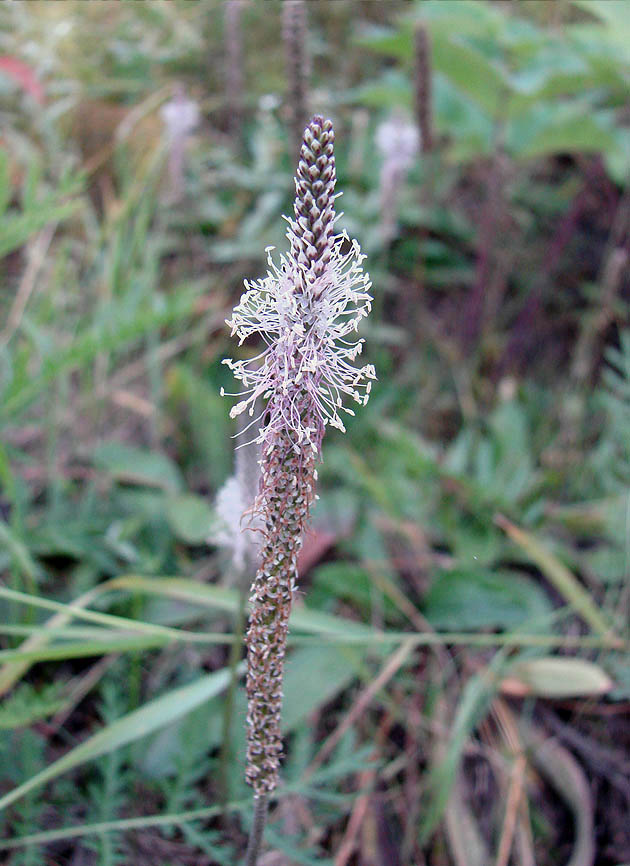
<point x="458" y="684"/>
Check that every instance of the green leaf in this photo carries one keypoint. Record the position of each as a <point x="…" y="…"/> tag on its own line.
<point x="118" y="330"/>
<point x="579" y="130"/>
<point x="313" y="676"/>
<point x="471" y="72"/>
<point x="27" y="705"/>
<point x="191" y="518"/>
<point x="392" y="88"/>
<point x="557" y="677"/>
<point x="471" y="598"/>
<point x="135" y="466"/>
<point x="473" y="705"/>
<point x="613" y="15"/>
<point x="5" y="181"/>
<point x="386" y="40"/>
<point x="210" y="424"/>
<point x="344" y="581"/>
<point x="15" y="230"/>
<point x="19" y="552"/>
<point x="207" y="595"/>
<point x="84" y="649"/>
<point x="559" y="575"/>
<point x="151" y="717"/>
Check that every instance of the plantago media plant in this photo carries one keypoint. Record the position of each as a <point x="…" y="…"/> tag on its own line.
<point x="305" y="310"/>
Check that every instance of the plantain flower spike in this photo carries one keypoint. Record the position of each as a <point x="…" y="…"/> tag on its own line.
<point x="306" y="310"/>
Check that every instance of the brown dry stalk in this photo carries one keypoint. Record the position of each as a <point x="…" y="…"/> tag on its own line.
<point x="424" y="112"/>
<point x="294" y="30"/>
<point x="234" y="87"/>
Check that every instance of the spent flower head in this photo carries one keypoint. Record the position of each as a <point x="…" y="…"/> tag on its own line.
<point x="307" y="310"/>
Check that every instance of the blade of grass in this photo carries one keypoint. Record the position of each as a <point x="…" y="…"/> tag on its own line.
<point x="335" y="630"/>
<point x="119" y="622"/>
<point x="83" y="649"/>
<point x="216" y="597"/>
<point x="69" y="633"/>
<point x="139" y="823"/>
<point x="475" y="700"/>
<point x="560" y="576"/>
<point x="151" y="717"/>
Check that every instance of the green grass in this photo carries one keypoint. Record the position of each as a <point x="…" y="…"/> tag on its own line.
<point x="467" y="576"/>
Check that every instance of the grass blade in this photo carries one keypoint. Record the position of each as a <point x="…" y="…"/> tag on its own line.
<point x="151" y="717"/>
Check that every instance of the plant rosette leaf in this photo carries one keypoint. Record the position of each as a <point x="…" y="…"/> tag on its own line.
<point x="135" y="466"/>
<point x="191" y="518"/>
<point x="554" y="677"/>
<point x="471" y="598"/>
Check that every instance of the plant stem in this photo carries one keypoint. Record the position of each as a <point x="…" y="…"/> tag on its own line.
<point x="261" y="805"/>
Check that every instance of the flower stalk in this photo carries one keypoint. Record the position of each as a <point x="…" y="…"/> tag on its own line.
<point x="234" y="87"/>
<point x="305" y="309"/>
<point x="424" y="109"/>
<point x="294" y="32"/>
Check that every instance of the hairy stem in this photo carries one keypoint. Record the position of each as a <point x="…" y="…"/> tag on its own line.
<point x="288" y="480"/>
<point x="261" y="805"/>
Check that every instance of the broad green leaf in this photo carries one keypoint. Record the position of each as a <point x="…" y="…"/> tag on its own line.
<point x="466" y="17"/>
<point x="557" y="677"/>
<point x="580" y="132"/>
<point x="555" y="69"/>
<point x="613" y="14"/>
<point x="617" y="159"/>
<point x="470" y="18"/>
<point x="191" y="518"/>
<point x="391" y="89"/>
<point x="388" y="41"/>
<point x="471" y="72"/>
<point x="136" y="466"/>
<point x="345" y="580"/>
<point x="152" y="716"/>
<point x="313" y="676"/>
<point x="467" y="124"/>
<point x="471" y="598"/>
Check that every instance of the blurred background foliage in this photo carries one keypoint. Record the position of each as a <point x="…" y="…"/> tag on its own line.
<point x="457" y="689"/>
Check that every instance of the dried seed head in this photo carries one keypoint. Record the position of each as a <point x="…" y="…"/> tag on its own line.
<point x="294" y="30"/>
<point x="234" y="88"/>
<point x="424" y="113"/>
